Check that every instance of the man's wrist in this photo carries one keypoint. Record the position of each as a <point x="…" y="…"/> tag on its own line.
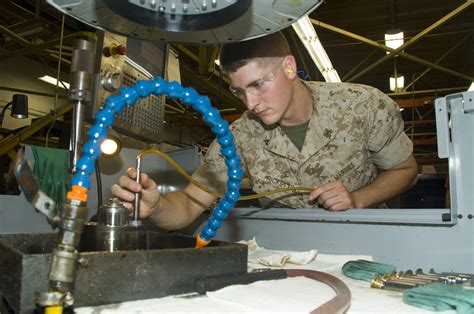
<point x="357" y="200"/>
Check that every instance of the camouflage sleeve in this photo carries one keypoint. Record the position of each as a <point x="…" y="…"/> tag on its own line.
<point x="212" y="173"/>
<point x="387" y="141"/>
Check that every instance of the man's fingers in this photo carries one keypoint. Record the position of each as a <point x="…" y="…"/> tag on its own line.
<point x="128" y="207"/>
<point x="319" y="190"/>
<point x="339" y="207"/>
<point x="129" y="184"/>
<point x="337" y="203"/>
<point x="122" y="194"/>
<point x="147" y="183"/>
<point x="132" y="172"/>
<point x="332" y="195"/>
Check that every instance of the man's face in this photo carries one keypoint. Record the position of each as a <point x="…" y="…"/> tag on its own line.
<point x="265" y="90"/>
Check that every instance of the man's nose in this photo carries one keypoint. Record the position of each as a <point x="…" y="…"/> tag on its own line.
<point x="251" y="101"/>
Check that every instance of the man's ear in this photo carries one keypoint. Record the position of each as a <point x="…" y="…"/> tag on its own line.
<point x="289" y="65"/>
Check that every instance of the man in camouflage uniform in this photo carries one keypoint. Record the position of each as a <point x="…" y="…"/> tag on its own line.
<point x="345" y="141"/>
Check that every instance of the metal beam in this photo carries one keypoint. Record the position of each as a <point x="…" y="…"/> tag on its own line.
<point x="13" y="140"/>
<point x="190" y="54"/>
<point x="420" y="122"/>
<point x="210" y="86"/>
<point x="393" y="52"/>
<point x="31" y="48"/>
<point x="31" y="92"/>
<point x="428" y="141"/>
<point x="418" y="102"/>
<point x="203" y="60"/>
<point x="430" y="91"/>
<point x="418" y="77"/>
<point x="414" y="39"/>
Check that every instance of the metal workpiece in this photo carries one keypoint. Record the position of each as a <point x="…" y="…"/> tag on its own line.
<point x="112" y="213"/>
<point x="168" y="265"/>
<point x="108" y="238"/>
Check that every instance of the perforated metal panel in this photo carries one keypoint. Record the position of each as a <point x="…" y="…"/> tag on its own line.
<point x="145" y="119"/>
<point x="143" y="61"/>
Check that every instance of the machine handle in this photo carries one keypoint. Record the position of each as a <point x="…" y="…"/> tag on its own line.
<point x="214" y="283"/>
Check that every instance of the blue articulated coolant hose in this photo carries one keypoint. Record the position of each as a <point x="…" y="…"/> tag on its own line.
<point x="129" y="96"/>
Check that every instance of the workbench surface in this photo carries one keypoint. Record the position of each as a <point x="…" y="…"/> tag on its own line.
<point x="295" y="295"/>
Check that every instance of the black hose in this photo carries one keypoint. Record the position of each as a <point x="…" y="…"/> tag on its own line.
<point x="99" y="183"/>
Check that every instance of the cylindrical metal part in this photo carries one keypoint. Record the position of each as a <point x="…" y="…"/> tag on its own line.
<point x="81" y="90"/>
<point x="82" y="69"/>
<point x="398" y="286"/>
<point x="77" y="133"/>
<point x="63" y="266"/>
<point x="112" y="213"/>
<point x="73" y="218"/>
<point x="112" y="238"/>
<point x="136" y="208"/>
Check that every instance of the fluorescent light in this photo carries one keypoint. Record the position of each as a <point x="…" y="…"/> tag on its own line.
<point x="471" y="88"/>
<point x="397" y="84"/>
<point x="305" y="31"/>
<point x="394" y="39"/>
<point x="52" y="80"/>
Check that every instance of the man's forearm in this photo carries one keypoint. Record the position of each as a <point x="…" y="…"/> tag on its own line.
<point x="176" y="210"/>
<point x="387" y="185"/>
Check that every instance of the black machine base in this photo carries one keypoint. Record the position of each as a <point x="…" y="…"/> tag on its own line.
<point x="169" y="265"/>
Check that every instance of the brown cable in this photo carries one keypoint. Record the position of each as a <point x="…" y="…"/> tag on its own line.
<point x="340" y="303"/>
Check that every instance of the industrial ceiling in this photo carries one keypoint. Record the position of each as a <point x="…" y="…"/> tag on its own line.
<point x="436" y="59"/>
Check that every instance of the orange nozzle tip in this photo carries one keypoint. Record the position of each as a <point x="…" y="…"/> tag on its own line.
<point x="200" y="243"/>
<point x="78" y="193"/>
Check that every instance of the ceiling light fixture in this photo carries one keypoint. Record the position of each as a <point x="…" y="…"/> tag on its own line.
<point x="394" y="38"/>
<point x="305" y="31"/>
<point x="397" y="84"/>
<point x="52" y="80"/>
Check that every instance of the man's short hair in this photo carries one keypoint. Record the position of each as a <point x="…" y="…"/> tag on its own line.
<point x="235" y="55"/>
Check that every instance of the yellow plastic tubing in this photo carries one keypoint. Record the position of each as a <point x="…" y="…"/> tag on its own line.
<point x="217" y="194"/>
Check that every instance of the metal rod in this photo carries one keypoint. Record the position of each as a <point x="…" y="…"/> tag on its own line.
<point x="136" y="207"/>
<point x="77" y="133"/>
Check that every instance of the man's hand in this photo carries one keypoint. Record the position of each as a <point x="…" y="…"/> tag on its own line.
<point x="333" y="196"/>
<point x="127" y="187"/>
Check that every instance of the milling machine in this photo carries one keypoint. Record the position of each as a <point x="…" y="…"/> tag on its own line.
<point x="92" y="263"/>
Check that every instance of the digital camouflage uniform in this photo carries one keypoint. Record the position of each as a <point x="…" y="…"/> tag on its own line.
<point x="354" y="129"/>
